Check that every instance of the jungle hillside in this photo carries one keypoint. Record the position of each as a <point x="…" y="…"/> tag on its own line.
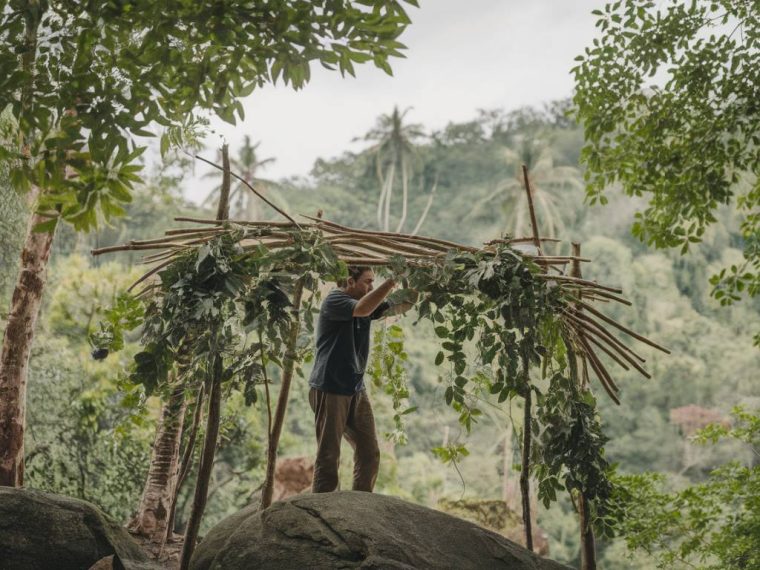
<point x="171" y="392"/>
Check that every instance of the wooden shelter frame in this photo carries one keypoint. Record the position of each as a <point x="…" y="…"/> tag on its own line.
<point x="589" y="329"/>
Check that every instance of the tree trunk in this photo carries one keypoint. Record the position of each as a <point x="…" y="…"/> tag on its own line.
<point x="17" y="345"/>
<point x="388" y="194"/>
<point x="153" y="514"/>
<point x="426" y="209"/>
<point x="206" y="464"/>
<point x="282" y="399"/>
<point x="26" y="299"/>
<point x="404" y="193"/>
<point x="184" y="466"/>
<point x="253" y="210"/>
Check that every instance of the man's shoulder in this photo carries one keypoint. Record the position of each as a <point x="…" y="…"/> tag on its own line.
<point x="337" y="291"/>
<point x="337" y="306"/>
<point x="336" y="296"/>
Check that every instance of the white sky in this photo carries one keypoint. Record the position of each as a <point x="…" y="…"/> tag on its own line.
<point x="462" y="55"/>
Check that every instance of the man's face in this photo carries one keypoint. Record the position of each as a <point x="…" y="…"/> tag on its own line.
<point x="361" y="286"/>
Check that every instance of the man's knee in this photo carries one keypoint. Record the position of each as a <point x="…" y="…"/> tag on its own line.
<point x="325" y="475"/>
<point x="369" y="457"/>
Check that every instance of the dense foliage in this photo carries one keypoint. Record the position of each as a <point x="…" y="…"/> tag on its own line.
<point x="667" y="96"/>
<point x="712" y="525"/>
<point x="83" y="80"/>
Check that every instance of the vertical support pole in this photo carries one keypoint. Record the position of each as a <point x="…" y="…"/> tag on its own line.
<point x="214" y="407"/>
<point x="206" y="465"/>
<point x="525" y="468"/>
<point x="531" y="209"/>
<point x="527" y="416"/>
<point x="588" y="543"/>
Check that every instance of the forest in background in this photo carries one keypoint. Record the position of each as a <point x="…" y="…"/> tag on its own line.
<point x="90" y="430"/>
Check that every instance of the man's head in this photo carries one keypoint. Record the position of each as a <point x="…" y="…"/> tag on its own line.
<point x="360" y="281"/>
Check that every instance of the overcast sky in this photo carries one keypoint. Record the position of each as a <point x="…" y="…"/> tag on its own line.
<point x="462" y="55"/>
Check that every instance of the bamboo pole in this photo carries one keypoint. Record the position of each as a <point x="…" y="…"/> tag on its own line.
<point x="599" y="370"/>
<point x="591" y="284"/>
<point x="527" y="415"/>
<point x="229" y="173"/>
<point x="533" y="222"/>
<point x="626" y="330"/>
<point x="588" y="543"/>
<point x="213" y="417"/>
<point x="608" y="352"/>
<point x="427" y="240"/>
<point x="602" y="334"/>
<point x="240" y="222"/>
<point x="525" y="460"/>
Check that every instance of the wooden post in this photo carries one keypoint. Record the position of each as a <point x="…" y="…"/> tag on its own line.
<point x="525" y="467"/>
<point x="214" y="409"/>
<point x="531" y="209"/>
<point x="588" y="543"/>
<point x="527" y="416"/>
<point x="206" y="465"/>
<point x="223" y="208"/>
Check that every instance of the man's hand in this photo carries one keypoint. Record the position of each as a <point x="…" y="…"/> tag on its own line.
<point x="401" y="301"/>
<point x="367" y="304"/>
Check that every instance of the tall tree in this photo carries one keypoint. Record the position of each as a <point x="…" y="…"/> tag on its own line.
<point x="153" y="513"/>
<point x="393" y="156"/>
<point x="668" y="98"/>
<point x="548" y="183"/>
<point x="82" y="80"/>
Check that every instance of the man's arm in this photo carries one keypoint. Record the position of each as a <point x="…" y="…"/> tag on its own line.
<point x="367" y="304"/>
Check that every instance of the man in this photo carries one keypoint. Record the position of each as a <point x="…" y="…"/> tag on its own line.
<point x="337" y="396"/>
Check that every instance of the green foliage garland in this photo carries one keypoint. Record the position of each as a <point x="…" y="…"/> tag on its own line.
<point x="210" y="298"/>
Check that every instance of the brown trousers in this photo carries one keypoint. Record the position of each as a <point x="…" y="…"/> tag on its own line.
<point x="336" y="417"/>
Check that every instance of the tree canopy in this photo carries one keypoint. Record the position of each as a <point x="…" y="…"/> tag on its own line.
<point x="83" y="80"/>
<point x="668" y="99"/>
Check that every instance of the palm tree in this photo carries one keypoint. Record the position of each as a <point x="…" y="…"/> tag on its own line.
<point x="394" y="156"/>
<point x="548" y="183"/>
<point x="244" y="204"/>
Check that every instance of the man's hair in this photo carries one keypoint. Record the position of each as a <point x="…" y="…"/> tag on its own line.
<point x="354" y="272"/>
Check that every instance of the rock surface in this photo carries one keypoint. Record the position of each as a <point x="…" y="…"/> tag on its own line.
<point x="351" y="529"/>
<point x="43" y="531"/>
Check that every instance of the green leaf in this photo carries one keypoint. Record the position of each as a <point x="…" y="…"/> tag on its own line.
<point x="46" y="227"/>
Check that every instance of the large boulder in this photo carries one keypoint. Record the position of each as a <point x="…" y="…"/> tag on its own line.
<point x="40" y="531"/>
<point x="351" y="529"/>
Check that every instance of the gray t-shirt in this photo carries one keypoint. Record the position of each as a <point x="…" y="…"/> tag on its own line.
<point x="342" y="344"/>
